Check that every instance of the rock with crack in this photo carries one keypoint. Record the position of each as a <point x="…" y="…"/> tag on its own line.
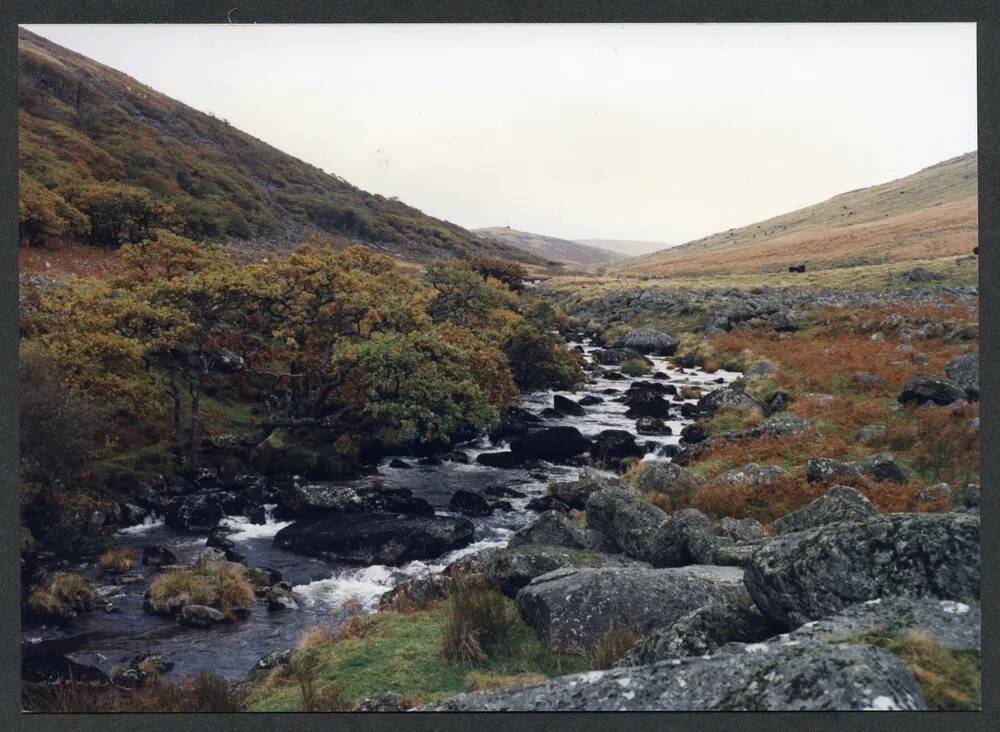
<point x="840" y="677"/>
<point x="572" y="609"/>
<point x="811" y="574"/>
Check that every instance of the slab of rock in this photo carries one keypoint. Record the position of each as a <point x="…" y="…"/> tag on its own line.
<point x="828" y="678"/>
<point x="379" y="538"/>
<point x="812" y="574"/>
<point x="840" y="503"/>
<point x="572" y="609"/>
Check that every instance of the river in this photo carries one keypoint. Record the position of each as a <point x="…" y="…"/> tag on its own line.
<point x="106" y="639"/>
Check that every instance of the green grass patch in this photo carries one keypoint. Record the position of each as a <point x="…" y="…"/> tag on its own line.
<point x="402" y="653"/>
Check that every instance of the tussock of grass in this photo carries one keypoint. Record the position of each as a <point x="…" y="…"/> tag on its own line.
<point x="634" y="367"/>
<point x="477" y="620"/>
<point x="612" y="645"/>
<point x="117" y="560"/>
<point x="62" y="596"/>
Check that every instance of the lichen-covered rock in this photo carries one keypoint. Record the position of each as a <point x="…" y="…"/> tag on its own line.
<point x="879" y="467"/>
<point x="749" y="476"/>
<point x="663" y="476"/>
<point x="614" y="356"/>
<point x="572" y="609"/>
<point x="840" y="677"/>
<point x="417" y="592"/>
<point x="200" y="616"/>
<point x="730" y="397"/>
<point x="840" y="503"/>
<point x="686" y="537"/>
<point x="811" y="574"/>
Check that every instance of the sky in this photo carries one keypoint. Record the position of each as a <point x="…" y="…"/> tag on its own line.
<point x="656" y="132"/>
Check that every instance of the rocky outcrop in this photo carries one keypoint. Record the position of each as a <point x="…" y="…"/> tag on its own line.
<point x="555" y="529"/>
<point x="572" y="609"/>
<point x="685" y="537"/>
<point x="375" y="538"/>
<point x="840" y="503"/>
<point x="879" y="467"/>
<point x="662" y="476"/>
<point x="575" y="493"/>
<point x="828" y="678"/>
<point x="808" y="575"/>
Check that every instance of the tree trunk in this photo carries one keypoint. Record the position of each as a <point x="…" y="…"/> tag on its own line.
<point x="195" y="386"/>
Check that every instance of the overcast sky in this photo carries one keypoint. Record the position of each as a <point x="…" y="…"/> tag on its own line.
<point x="654" y="132"/>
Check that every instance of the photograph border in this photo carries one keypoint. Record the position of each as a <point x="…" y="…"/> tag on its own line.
<point x="983" y="12"/>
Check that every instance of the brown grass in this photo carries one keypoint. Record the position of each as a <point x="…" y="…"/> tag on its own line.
<point x="611" y="646"/>
<point x="202" y="693"/>
<point x="117" y="560"/>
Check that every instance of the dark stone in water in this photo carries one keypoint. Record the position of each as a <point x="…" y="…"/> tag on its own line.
<point x="457" y="456"/>
<point x="566" y="406"/>
<point x="590" y="400"/>
<point x="469" y="504"/>
<point x="614" y="376"/>
<point x="158" y="556"/>
<point x="612" y="446"/>
<point x="547" y="503"/>
<point x="552" y="443"/>
<point x="502" y="491"/>
<point x="429" y="460"/>
<point x="401" y="464"/>
<point x="375" y="538"/>
<point x="499" y="459"/>
<point x="693" y="433"/>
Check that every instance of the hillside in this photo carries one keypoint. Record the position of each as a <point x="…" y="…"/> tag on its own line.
<point x="563" y="251"/>
<point x="625" y="247"/>
<point x="86" y="129"/>
<point x="932" y="213"/>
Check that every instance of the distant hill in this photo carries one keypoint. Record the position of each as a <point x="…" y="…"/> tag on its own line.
<point x="931" y="213"/>
<point x="563" y="251"/>
<point x="84" y="124"/>
<point x="625" y="247"/>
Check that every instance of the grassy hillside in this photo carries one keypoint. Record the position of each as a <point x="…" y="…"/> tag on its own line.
<point x="932" y="213"/>
<point x="562" y="251"/>
<point x="91" y="137"/>
<point x="625" y="247"/>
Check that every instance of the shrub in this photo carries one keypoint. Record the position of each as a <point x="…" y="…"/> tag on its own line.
<point x="634" y="367"/>
<point x="477" y="621"/>
<point x="612" y="645"/>
<point x="117" y="560"/>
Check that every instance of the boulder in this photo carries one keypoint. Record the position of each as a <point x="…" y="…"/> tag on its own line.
<point x="280" y="597"/>
<point x="217" y="539"/>
<point x="840" y="503"/>
<point x="551" y="443"/>
<point x="964" y="371"/>
<point x="729" y="397"/>
<point x="555" y="529"/>
<point x="627" y="522"/>
<point x="782" y="323"/>
<point x="400" y="464"/>
<point x="271" y="660"/>
<point x="879" y="467"/>
<point x="469" y="504"/>
<point x="811" y="574"/>
<point x="646" y="340"/>
<point x="692" y="434"/>
<point x="748" y="477"/>
<point x="200" y="616"/>
<point x="684" y="538"/>
<point x="547" y="503"/>
<point x="924" y="388"/>
<point x="645" y="402"/>
<point x="610" y="447"/>
<point x="668" y="478"/>
<point x="590" y="400"/>
<point x="572" y="609"/>
<point x="566" y="406"/>
<point x="375" y="538"/>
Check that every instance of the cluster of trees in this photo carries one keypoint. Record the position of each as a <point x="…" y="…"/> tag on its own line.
<point x="331" y="338"/>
